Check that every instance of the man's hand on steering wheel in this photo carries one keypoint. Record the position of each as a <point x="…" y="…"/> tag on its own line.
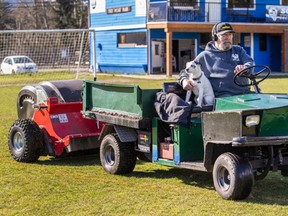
<point x="239" y="68"/>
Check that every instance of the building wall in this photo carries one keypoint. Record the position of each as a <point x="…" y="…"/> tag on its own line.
<point x="110" y="19"/>
<point x="110" y="58"/>
<point x="99" y="18"/>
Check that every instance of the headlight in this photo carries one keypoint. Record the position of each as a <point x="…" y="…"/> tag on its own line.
<point x="252" y="120"/>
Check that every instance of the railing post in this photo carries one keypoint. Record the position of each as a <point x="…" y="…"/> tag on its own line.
<point x="169" y="68"/>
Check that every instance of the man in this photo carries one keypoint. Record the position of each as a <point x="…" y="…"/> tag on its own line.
<point x="220" y="61"/>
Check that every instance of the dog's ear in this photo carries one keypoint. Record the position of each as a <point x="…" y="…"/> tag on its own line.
<point x="198" y="63"/>
<point x="189" y="64"/>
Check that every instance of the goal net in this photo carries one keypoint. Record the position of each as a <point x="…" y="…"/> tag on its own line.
<point x="54" y="51"/>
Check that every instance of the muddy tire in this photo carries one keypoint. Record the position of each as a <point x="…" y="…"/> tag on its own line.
<point x="232" y="177"/>
<point x="25" y="141"/>
<point x="117" y="157"/>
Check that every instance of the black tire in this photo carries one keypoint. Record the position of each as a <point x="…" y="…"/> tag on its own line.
<point x="25" y="141"/>
<point x="260" y="174"/>
<point x="117" y="157"/>
<point x="144" y="156"/>
<point x="232" y="177"/>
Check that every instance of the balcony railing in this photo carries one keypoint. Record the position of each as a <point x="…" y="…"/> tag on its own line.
<point x="161" y="11"/>
<point x="180" y="11"/>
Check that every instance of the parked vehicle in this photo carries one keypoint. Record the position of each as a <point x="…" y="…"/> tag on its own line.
<point x="240" y="140"/>
<point x="18" y="64"/>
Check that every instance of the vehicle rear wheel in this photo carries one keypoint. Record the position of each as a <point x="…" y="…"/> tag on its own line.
<point x="232" y="177"/>
<point x="117" y="157"/>
<point x="25" y="141"/>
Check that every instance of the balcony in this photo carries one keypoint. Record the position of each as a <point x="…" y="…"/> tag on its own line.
<point x="183" y="11"/>
<point x="161" y="11"/>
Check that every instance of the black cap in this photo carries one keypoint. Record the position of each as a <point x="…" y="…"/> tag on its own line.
<point x="222" y="28"/>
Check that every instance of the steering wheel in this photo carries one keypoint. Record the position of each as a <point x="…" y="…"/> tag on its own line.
<point x="248" y="73"/>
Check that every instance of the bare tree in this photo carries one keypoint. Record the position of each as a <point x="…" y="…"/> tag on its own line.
<point x="70" y="14"/>
<point x="6" y="21"/>
<point x="42" y="14"/>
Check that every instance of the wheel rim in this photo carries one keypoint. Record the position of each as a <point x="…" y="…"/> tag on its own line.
<point x="223" y="179"/>
<point x="109" y="155"/>
<point x="18" y="142"/>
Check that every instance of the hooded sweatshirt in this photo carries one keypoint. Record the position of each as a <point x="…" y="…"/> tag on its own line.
<point x="218" y="66"/>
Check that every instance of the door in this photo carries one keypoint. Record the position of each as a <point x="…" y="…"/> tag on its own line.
<point x="157" y="56"/>
<point x="245" y="42"/>
<point x="7" y="66"/>
<point x="275" y="53"/>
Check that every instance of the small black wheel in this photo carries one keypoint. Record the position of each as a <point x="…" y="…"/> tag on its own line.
<point x="266" y="153"/>
<point x="248" y="73"/>
<point x="260" y="173"/>
<point x="144" y="156"/>
<point x="25" y="141"/>
<point x="232" y="177"/>
<point x="117" y="157"/>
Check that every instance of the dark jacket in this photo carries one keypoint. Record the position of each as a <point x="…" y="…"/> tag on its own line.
<point x="218" y="66"/>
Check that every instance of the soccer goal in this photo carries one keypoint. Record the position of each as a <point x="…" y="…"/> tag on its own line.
<point x="51" y="50"/>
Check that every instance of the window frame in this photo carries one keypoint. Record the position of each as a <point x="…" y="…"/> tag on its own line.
<point x="251" y="5"/>
<point x="123" y="43"/>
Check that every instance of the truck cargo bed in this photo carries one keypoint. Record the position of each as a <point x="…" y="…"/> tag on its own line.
<point x="121" y="104"/>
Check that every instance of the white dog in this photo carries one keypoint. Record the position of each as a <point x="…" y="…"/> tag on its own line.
<point x="203" y="91"/>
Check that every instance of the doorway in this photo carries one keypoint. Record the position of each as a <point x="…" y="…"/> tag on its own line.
<point x="275" y="53"/>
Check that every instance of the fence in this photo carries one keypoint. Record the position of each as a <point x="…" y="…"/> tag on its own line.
<point x="61" y="51"/>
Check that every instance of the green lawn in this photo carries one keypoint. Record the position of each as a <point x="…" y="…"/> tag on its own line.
<point x="79" y="186"/>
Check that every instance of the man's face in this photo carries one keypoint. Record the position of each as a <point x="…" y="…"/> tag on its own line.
<point x="224" y="41"/>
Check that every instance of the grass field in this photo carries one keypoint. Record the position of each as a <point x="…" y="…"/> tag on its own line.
<point x="79" y="186"/>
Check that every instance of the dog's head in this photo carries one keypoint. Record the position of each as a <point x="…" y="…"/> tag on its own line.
<point x="193" y="68"/>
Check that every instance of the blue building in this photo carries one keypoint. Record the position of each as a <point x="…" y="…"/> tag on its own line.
<point x="160" y="36"/>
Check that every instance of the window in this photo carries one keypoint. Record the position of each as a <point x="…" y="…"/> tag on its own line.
<point x="240" y="3"/>
<point x="157" y="48"/>
<point x="132" y="39"/>
<point x="184" y="3"/>
<point x="8" y="61"/>
<point x="284" y="2"/>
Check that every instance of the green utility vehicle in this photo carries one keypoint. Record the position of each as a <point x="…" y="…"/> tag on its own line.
<point x="240" y="140"/>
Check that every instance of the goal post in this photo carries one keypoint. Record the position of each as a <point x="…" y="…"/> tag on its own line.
<point x="59" y="51"/>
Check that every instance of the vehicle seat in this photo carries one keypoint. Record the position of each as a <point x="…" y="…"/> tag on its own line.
<point x="65" y="90"/>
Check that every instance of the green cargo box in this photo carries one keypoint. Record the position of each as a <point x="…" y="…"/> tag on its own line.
<point x="121" y="104"/>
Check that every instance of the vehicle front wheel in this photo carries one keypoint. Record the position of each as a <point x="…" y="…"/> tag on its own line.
<point x="25" y="141"/>
<point x="232" y="177"/>
<point x="117" y="157"/>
